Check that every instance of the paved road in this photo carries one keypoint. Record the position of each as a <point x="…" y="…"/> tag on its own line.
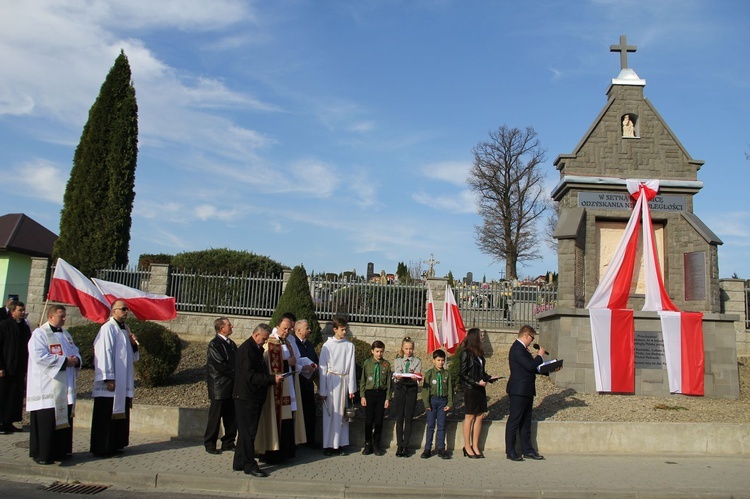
<point x="154" y="464"/>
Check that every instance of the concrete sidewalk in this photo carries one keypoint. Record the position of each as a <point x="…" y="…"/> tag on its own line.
<point x="175" y="465"/>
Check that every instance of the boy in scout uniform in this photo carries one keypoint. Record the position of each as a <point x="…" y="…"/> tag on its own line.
<point x="375" y="386"/>
<point x="437" y="395"/>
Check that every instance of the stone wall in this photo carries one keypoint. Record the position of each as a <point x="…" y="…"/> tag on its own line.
<point x="569" y="333"/>
<point x="733" y="302"/>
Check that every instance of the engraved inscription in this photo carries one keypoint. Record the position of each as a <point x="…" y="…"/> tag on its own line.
<point x="649" y="350"/>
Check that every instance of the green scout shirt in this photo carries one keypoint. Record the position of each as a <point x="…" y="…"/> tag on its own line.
<point x="430" y="386"/>
<point x="367" y="382"/>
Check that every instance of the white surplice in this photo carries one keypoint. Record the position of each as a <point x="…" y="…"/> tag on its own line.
<point x="48" y="352"/>
<point x="338" y="379"/>
<point x="113" y="360"/>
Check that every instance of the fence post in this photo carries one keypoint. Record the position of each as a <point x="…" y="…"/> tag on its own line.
<point x="158" y="281"/>
<point x="437" y="285"/>
<point x="37" y="286"/>
<point x="733" y="298"/>
<point x="285" y="279"/>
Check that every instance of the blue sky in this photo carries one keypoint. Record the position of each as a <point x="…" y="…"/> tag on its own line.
<point x="334" y="133"/>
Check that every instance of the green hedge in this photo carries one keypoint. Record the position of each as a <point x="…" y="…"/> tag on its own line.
<point x="160" y="349"/>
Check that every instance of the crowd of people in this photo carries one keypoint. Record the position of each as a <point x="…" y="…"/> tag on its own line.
<point x="274" y="374"/>
<point x="44" y="364"/>
<point x="263" y="392"/>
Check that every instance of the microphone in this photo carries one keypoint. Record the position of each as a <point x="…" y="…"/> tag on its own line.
<point x="536" y="346"/>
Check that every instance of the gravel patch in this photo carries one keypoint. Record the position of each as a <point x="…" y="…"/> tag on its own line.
<point x="187" y="388"/>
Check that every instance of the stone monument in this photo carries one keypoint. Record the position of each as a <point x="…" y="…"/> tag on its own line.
<point x="630" y="140"/>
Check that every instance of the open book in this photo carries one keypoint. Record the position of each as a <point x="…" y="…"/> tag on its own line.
<point x="549" y="366"/>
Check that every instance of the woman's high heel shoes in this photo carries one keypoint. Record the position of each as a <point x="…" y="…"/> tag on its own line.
<point x="478" y="453"/>
<point x="470" y="456"/>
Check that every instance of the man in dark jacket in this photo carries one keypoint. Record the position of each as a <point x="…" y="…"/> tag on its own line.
<point x="220" y="361"/>
<point x="521" y="391"/>
<point x="251" y="383"/>
<point x="14" y="357"/>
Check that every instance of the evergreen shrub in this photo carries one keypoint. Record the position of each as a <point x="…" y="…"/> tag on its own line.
<point x="160" y="352"/>
<point x="160" y="349"/>
<point x="216" y="261"/>
<point x="83" y="337"/>
<point x="297" y="300"/>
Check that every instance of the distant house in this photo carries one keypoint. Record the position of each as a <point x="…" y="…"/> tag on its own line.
<point x="20" y="239"/>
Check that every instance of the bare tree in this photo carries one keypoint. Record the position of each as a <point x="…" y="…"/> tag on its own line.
<point x="507" y="178"/>
<point x="551" y="224"/>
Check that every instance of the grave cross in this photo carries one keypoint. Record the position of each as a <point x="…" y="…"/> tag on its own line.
<point x="623" y="48"/>
<point x="431" y="262"/>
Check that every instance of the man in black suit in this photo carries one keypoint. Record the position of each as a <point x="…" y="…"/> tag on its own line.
<point x="251" y="383"/>
<point x="220" y="360"/>
<point x="307" y="384"/>
<point x="521" y="391"/>
<point x="14" y="357"/>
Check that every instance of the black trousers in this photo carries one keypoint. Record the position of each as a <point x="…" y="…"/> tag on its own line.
<point x="12" y="388"/>
<point x="405" y="400"/>
<point x="519" y="421"/>
<point x="109" y="435"/>
<point x="220" y="410"/>
<point x="307" y="387"/>
<point x="248" y="417"/>
<point x="47" y="443"/>
<point x="374" y="413"/>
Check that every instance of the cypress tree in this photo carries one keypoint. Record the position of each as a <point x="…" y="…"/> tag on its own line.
<point x="297" y="300"/>
<point x="96" y="216"/>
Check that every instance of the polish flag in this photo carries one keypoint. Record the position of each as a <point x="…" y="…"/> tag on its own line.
<point x="432" y="330"/>
<point x="613" y="341"/>
<point x="683" y="350"/>
<point x="145" y="306"/>
<point x="70" y="286"/>
<point x="453" y="332"/>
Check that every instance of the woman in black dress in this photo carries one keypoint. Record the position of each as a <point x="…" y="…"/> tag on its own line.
<point x="473" y="380"/>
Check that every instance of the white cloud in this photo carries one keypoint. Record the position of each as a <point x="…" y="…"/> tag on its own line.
<point x="454" y="172"/>
<point x="208" y="212"/>
<point x="463" y="202"/>
<point x="42" y="179"/>
<point x="313" y="177"/>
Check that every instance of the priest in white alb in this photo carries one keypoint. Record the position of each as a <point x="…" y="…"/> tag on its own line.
<point x="54" y="363"/>
<point x="115" y="350"/>
<point x="338" y="383"/>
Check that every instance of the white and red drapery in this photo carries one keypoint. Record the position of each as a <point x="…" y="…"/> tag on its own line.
<point x="612" y="323"/>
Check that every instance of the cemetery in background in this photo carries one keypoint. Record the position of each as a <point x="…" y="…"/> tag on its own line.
<point x="375" y="311"/>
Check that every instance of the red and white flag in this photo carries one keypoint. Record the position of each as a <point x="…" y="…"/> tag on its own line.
<point x="683" y="351"/>
<point x="433" y="343"/>
<point x="145" y="306"/>
<point x="612" y="326"/>
<point x="613" y="342"/>
<point x="453" y="330"/>
<point x="70" y="286"/>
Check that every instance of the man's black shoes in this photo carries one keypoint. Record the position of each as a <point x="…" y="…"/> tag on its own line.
<point x="213" y="450"/>
<point x="514" y="457"/>
<point x="535" y="456"/>
<point x="256" y="472"/>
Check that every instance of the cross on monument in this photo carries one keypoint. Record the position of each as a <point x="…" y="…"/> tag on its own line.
<point x="431" y="262"/>
<point x="623" y="48"/>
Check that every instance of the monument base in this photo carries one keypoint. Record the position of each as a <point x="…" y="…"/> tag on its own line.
<point x="567" y="334"/>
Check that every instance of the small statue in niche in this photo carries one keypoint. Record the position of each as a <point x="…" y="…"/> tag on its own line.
<point x="628" y="128"/>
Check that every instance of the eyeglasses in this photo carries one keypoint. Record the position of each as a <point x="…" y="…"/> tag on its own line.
<point x="124" y="309"/>
<point x="530" y="336"/>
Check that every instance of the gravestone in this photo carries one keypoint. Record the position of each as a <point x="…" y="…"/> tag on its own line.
<point x="629" y="139"/>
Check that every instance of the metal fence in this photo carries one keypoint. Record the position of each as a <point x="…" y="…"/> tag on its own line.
<point x="128" y="276"/>
<point x="401" y="304"/>
<point x="225" y="294"/>
<point x="747" y="304"/>
<point x="502" y="305"/>
<point x="487" y="306"/>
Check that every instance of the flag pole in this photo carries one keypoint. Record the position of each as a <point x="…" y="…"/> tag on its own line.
<point x="44" y="311"/>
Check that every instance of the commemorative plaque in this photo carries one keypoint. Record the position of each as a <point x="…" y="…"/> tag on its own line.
<point x="649" y="350"/>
